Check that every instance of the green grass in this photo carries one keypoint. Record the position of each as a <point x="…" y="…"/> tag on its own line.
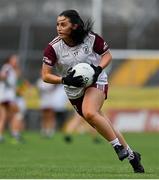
<point x="52" y="158"/>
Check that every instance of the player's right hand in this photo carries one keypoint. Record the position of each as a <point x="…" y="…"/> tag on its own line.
<point x="73" y="81"/>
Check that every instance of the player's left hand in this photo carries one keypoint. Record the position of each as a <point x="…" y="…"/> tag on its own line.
<point x="98" y="70"/>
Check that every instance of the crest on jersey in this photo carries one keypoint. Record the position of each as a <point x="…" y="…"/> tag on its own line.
<point x="86" y="49"/>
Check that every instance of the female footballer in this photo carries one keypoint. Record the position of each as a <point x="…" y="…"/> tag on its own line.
<point x="76" y="43"/>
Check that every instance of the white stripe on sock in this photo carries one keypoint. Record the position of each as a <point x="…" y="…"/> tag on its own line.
<point x="115" y="142"/>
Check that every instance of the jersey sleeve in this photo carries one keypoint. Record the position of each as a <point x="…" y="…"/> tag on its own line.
<point x="100" y="46"/>
<point x="49" y="56"/>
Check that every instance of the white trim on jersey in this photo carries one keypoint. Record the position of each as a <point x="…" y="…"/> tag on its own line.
<point x="55" y="40"/>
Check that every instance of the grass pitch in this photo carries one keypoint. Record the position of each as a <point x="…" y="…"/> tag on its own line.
<point x="41" y="158"/>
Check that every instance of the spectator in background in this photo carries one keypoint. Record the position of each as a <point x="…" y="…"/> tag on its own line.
<point x="8" y="107"/>
<point x="74" y="44"/>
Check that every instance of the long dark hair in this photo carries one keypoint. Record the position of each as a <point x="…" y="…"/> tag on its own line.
<point x="83" y="28"/>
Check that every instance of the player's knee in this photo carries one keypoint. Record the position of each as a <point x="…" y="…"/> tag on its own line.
<point x="90" y="116"/>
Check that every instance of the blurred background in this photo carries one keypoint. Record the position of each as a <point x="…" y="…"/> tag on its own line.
<point x="129" y="27"/>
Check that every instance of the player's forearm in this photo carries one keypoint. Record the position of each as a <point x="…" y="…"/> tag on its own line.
<point x="105" y="60"/>
<point x="53" y="79"/>
<point x="48" y="77"/>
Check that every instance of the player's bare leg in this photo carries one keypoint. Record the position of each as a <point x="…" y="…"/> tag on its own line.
<point x="134" y="157"/>
<point x="15" y="122"/>
<point x="92" y="103"/>
<point x="16" y="126"/>
<point x="71" y="126"/>
<point x="79" y="125"/>
<point x="117" y="132"/>
<point x="48" y="122"/>
<point x="2" y="121"/>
